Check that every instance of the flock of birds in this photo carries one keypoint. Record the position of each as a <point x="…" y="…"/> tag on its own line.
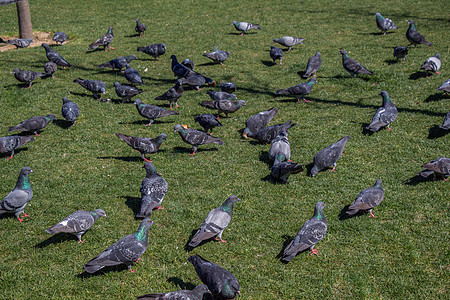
<point x="219" y="282"/>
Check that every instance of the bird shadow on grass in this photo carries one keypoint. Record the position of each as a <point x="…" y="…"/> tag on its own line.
<point x="376" y="33"/>
<point x="264" y="157"/>
<point x="17" y="151"/>
<point x="134" y="203"/>
<point x="63" y="124"/>
<point x="417" y="75"/>
<point x="124" y="158"/>
<point x="435" y="97"/>
<point x="144" y="122"/>
<point x="188" y="248"/>
<point x="237" y="33"/>
<point x="56" y="239"/>
<point x="103" y="271"/>
<point x="344" y="216"/>
<point x="183" y="285"/>
<point x="211" y="63"/>
<point x="301" y="73"/>
<point x="95" y="50"/>
<point x="132" y="35"/>
<point x="287" y="240"/>
<point x="188" y="150"/>
<point x="83" y="95"/>
<point x="268" y="63"/>
<point x="7" y="216"/>
<point x="364" y="129"/>
<point x="391" y="61"/>
<point x="436" y="132"/>
<point x="417" y="179"/>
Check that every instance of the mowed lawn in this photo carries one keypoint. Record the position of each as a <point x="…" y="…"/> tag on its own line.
<point x="403" y="253"/>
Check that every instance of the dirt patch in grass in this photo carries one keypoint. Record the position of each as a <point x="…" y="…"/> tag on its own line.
<point x="39" y="37"/>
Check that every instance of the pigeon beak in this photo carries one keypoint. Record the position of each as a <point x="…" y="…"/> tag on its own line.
<point x="245" y="135"/>
<point x="31" y="171"/>
<point x="212" y="83"/>
<point x="184" y="126"/>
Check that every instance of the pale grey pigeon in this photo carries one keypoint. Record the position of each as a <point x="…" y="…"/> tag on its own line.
<point x="59" y="37"/>
<point x="367" y="199"/>
<point x="257" y="122"/>
<point x="289" y="41"/>
<point x="197" y="81"/>
<point x="152" y="112"/>
<point x="153" y="189"/>
<point x="34" y="124"/>
<point x="26" y="76"/>
<point x="352" y="66"/>
<point x="104" y="41"/>
<point x="12" y="142"/>
<point x="438" y="167"/>
<point x="432" y="64"/>
<point x="445" y="87"/>
<point x="385" y="115"/>
<point x="19" y="43"/>
<point x="70" y="110"/>
<point x="300" y="90"/>
<point x="384" y="24"/>
<point x="96" y="87"/>
<point x="142" y="144"/>
<point x="19" y="197"/>
<point x="195" y="137"/>
<point x="195" y="294"/>
<point x="313" y="66"/>
<point x="414" y="37"/>
<point x="243" y="27"/>
<point x="280" y="148"/>
<point x="327" y="157"/>
<point x="154" y="50"/>
<point x="221" y="95"/>
<point x="218" y="56"/>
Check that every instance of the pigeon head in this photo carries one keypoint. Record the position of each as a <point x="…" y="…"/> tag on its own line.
<point x="317" y="53"/>
<point x="234" y="23"/>
<point x="312" y="80"/>
<point x="26" y="171"/>
<point x="201" y="289"/>
<point x="228" y="204"/>
<point x="438" y="55"/>
<point x="116" y="84"/>
<point x="162" y="46"/>
<point x="209" y="81"/>
<point x="343" y="52"/>
<point x="318" y="210"/>
<point x="179" y="128"/>
<point x="16" y="70"/>
<point x="314" y="171"/>
<point x="129" y="58"/>
<point x="378" y="183"/>
<point x="136" y="20"/>
<point x="65" y="100"/>
<point x="137" y="102"/>
<point x="142" y="233"/>
<point x="127" y="66"/>
<point x="150" y="168"/>
<point x="378" y="15"/>
<point x="51" y="116"/>
<point x="44" y="45"/>
<point x="161" y="138"/>
<point x="99" y="212"/>
<point x="241" y="103"/>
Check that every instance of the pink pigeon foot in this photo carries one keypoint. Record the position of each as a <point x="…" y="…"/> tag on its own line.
<point x="20" y="220"/>
<point x="193" y="153"/>
<point x="132" y="271"/>
<point x="438" y="72"/>
<point x="160" y="207"/>
<point x="25" y="215"/>
<point x="371" y="215"/>
<point x="307" y="101"/>
<point x="80" y="241"/>
<point x="220" y="240"/>
<point x="148" y="124"/>
<point x="137" y="260"/>
<point x="333" y="169"/>
<point x="9" y="157"/>
<point x="147" y="160"/>
<point x="314" y="251"/>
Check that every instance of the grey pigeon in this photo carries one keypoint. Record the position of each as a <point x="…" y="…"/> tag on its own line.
<point x="195" y="294"/>
<point x="367" y="199"/>
<point x="228" y="87"/>
<point x="195" y="137"/>
<point x="26" y="76"/>
<point x="445" y="87"/>
<point x="142" y="144"/>
<point x="125" y="251"/>
<point x="153" y="189"/>
<point x="221" y="282"/>
<point x="104" y="41"/>
<point x="197" y="81"/>
<point x="224" y="106"/>
<point x="289" y="41"/>
<point x="96" y="87"/>
<point x="54" y="56"/>
<point x="50" y="68"/>
<point x="19" y="197"/>
<point x="267" y="134"/>
<point x="132" y="75"/>
<point x="19" y="43"/>
<point x="414" y="37"/>
<point x="77" y="223"/>
<point x="12" y="142"/>
<point x="218" y="56"/>
<point x="173" y="94"/>
<point x="126" y="92"/>
<point x="118" y="62"/>
<point x="188" y="63"/>
<point x="33" y="124"/>
<point x="179" y="70"/>
<point x="154" y="50"/>
<point x="352" y="66"/>
<point x="70" y="110"/>
<point x="432" y="64"/>
<point x="283" y="169"/>
<point x="257" y="122"/>
<point x="207" y="121"/>
<point x="400" y="52"/>
<point x="299" y="91"/>
<point x="384" y="115"/>
<point x="243" y="27"/>
<point x="276" y="53"/>
<point x="152" y="112"/>
<point x="139" y="28"/>
<point x="384" y="24"/>
<point x="439" y="166"/>
<point x="280" y="148"/>
<point x="60" y="37"/>
<point x="309" y="235"/>
<point x="446" y="124"/>
<point x="215" y="223"/>
<point x="327" y="157"/>
<point x="221" y="95"/>
<point x="313" y="66"/>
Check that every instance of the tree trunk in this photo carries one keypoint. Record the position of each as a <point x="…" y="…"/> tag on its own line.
<point x="24" y="16"/>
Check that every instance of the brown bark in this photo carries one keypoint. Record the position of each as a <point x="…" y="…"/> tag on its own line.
<point x="24" y="16"/>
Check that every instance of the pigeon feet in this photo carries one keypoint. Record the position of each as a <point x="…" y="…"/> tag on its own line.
<point x="25" y="215"/>
<point x="220" y="240"/>
<point x="314" y="251"/>
<point x="333" y="169"/>
<point x="371" y="215"/>
<point x="147" y="160"/>
<point x="193" y="153"/>
<point x="20" y="220"/>
<point x="160" y="207"/>
<point x="148" y="124"/>
<point x="132" y="271"/>
<point x="137" y="260"/>
<point x="80" y="241"/>
<point x="307" y="101"/>
<point x="8" y="158"/>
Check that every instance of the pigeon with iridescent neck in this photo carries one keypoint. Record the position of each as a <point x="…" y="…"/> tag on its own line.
<point x="104" y="41"/>
<point x="280" y="147"/>
<point x="195" y="294"/>
<point x="118" y="62"/>
<point x="54" y="56"/>
<point x="96" y="87"/>
<point x="70" y="110"/>
<point x="257" y="122"/>
<point x="432" y="64"/>
<point x="367" y="199"/>
<point x="438" y="167"/>
<point x="384" y="24"/>
<point x="173" y="94"/>
<point x="299" y="91"/>
<point x="26" y="76"/>
<point x="414" y="37"/>
<point x="327" y="157"/>
<point x="385" y="115"/>
<point x="34" y="124"/>
<point x="446" y="124"/>
<point x="218" y="56"/>
<point x="143" y="144"/>
<point x="140" y="28"/>
<point x="289" y="41"/>
<point x="60" y="37"/>
<point x="352" y="66"/>
<point x="19" y="197"/>
<point x="126" y="92"/>
<point x="195" y="137"/>
<point x="125" y="251"/>
<point x="224" y="106"/>
<point x="153" y="189"/>
<point x="313" y="66"/>
<point x="12" y="142"/>
<point x="267" y="134"/>
<point x="154" y="50"/>
<point x="445" y="87"/>
<point x="243" y="27"/>
<point x="152" y="112"/>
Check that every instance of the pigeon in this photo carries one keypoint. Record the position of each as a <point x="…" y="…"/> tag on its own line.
<point x="221" y="283"/>
<point x="432" y="64"/>
<point x="19" y="197"/>
<point x="50" y="68"/>
<point x="197" y="81"/>
<point x="173" y="94"/>
<point x="289" y="41"/>
<point x="225" y="106"/>
<point x="94" y="86"/>
<point x="276" y="53"/>
<point x="207" y="121"/>
<point x="384" y="24"/>
<point x="267" y="134"/>
<point x="299" y="90"/>
<point x="152" y="112"/>
<point x="19" y="43"/>
<point x="140" y="28"/>
<point x="439" y="166"/>
<point x="400" y="52"/>
<point x="104" y="41"/>
<point x="228" y="87"/>
<point x="12" y="142"/>
<point x="60" y="37"/>
<point x="327" y="157"/>
<point x="280" y="148"/>
<point x="384" y="115"/>
<point x="70" y="110"/>
<point x="215" y="223"/>
<point x="126" y="92"/>
<point x="257" y="122"/>
<point x="352" y="66"/>
<point x="446" y="124"/>
<point x="77" y="223"/>
<point x="445" y="87"/>
<point x="142" y="144"/>
<point x="153" y="189"/>
<point x="118" y="62"/>
<point x="218" y="56"/>
<point x="195" y="294"/>
<point x="132" y="75"/>
<point x="26" y="76"/>
<point x="154" y="50"/>
<point x="33" y="124"/>
<point x="243" y="27"/>
<point x="283" y="169"/>
<point x="188" y="63"/>
<point x="221" y="95"/>
<point x="367" y="199"/>
<point x="314" y="64"/>
<point x="179" y="70"/>
<point x="309" y="235"/>
<point x="414" y="37"/>
<point x="195" y="137"/>
<point x="125" y="251"/>
<point x="54" y="56"/>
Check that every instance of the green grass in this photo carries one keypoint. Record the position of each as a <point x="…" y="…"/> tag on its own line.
<point x="403" y="253"/>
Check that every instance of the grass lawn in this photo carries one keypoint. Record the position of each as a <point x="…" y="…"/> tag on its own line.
<point x="403" y="253"/>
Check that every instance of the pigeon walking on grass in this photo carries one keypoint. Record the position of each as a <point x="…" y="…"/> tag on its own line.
<point x="289" y="41"/>
<point x="118" y="62"/>
<point x="257" y="122"/>
<point x="224" y="106"/>
<point x="195" y="137"/>
<point x="34" y="124"/>
<point x="276" y="53"/>
<point x="139" y="28"/>
<point x="207" y="121"/>
<point x="414" y="37"/>
<point x="352" y="66"/>
<point x="385" y="115"/>
<point x="313" y="66"/>
<point x="400" y="52"/>
<point x="132" y="75"/>
<point x="50" y="68"/>
<point x="152" y="112"/>
<point x="367" y="199"/>
<point x="54" y="56"/>
<point x="19" y="197"/>
<point x="221" y="95"/>
<point x="195" y="294"/>
<point x="154" y="50"/>
<point x="104" y="41"/>
<point x="432" y="64"/>
<point x="243" y="27"/>
<point x="281" y="170"/>
<point x="445" y="87"/>
<point x="446" y="124"/>
<point x="153" y="189"/>
<point x="70" y="110"/>
<point x="26" y="76"/>
<point x="96" y="87"/>
<point x="12" y="142"/>
<point x="438" y="167"/>
<point x="217" y="56"/>
<point x="384" y="24"/>
<point x="188" y="63"/>
<point x="267" y="134"/>
<point x="179" y="70"/>
<point x="126" y="92"/>
<point x="197" y="81"/>
<point x="327" y="157"/>
<point x="143" y="144"/>
<point x="280" y="148"/>
<point x="228" y="87"/>
<point x="19" y="43"/>
<point x="173" y="94"/>
<point x="299" y="91"/>
<point x="60" y="37"/>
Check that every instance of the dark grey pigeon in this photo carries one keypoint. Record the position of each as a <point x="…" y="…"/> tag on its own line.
<point x="195" y="294"/>
<point x="218" y="56"/>
<point x="197" y="81"/>
<point x="188" y="63"/>
<point x="104" y="41"/>
<point x="221" y="282"/>
<point x="50" y="68"/>
<point x="228" y="87"/>
<point x="19" y="43"/>
<point x="132" y="75"/>
<point x="432" y="64"/>
<point x="352" y="66"/>
<point x="446" y="124"/>
<point x="309" y="235"/>
<point x="12" y="142"/>
<point x="94" y="86"/>
<point x="215" y="223"/>
<point x="126" y="92"/>
<point x="257" y="122"/>
<point x="179" y="70"/>
<point x="70" y="110"/>
<point x="154" y="50"/>
<point x="125" y="251"/>
<point x="385" y="115"/>
<point x="224" y="106"/>
<point x="33" y="124"/>
<point x="440" y="166"/>
<point x="243" y="27"/>
<point x="60" y="37"/>
<point x="77" y="223"/>
<point x="327" y="157"/>
<point x="153" y="189"/>
<point x="283" y="169"/>
<point x="267" y="134"/>
<point x="54" y="56"/>
<point x="384" y="24"/>
<point x="445" y="87"/>
<point x="140" y="28"/>
<point x="195" y="137"/>
<point x="26" y="76"/>
<point x="152" y="112"/>
<point x="207" y="121"/>
<point x="173" y="94"/>
<point x="367" y="199"/>
<point x="414" y="37"/>
<point x="400" y="52"/>
<point x="314" y="64"/>
<point x="142" y="144"/>
<point x="280" y="149"/>
<point x="118" y="62"/>
<point x="300" y="90"/>
<point x="276" y="53"/>
<point x="19" y="197"/>
<point x="289" y="41"/>
<point x="221" y="95"/>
